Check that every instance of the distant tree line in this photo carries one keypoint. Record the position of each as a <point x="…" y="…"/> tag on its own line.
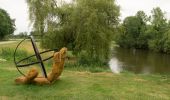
<point x="145" y="32"/>
<point x="20" y="35"/>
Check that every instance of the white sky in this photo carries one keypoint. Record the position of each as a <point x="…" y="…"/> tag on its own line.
<point x="130" y="7"/>
<point x="18" y="10"/>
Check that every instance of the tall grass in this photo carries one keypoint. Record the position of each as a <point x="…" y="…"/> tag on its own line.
<point x="75" y="65"/>
<point x="83" y="63"/>
<point x="8" y="53"/>
<point x="90" y="68"/>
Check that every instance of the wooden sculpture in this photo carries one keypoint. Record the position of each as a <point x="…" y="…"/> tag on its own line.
<point x="57" y="68"/>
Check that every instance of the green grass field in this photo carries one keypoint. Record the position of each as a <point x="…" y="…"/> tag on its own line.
<point x="84" y="85"/>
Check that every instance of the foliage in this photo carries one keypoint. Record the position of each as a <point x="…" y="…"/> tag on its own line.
<point x="132" y="31"/>
<point x="166" y="45"/>
<point x="159" y="27"/>
<point x="7" y="26"/>
<point x="84" y="25"/>
<point x="90" y="68"/>
<point x="142" y="32"/>
<point x="39" y="13"/>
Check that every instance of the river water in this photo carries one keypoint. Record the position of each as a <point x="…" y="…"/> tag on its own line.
<point x="139" y="61"/>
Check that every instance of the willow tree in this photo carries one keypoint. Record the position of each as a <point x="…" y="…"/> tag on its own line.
<point x="84" y="26"/>
<point x="96" y="20"/>
<point x="40" y="12"/>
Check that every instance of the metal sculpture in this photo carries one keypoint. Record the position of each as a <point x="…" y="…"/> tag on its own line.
<point x="37" y="55"/>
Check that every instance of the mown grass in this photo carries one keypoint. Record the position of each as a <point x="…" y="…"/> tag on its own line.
<point x="83" y="85"/>
<point x="79" y="83"/>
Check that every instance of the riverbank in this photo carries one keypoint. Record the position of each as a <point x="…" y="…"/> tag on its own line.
<point x="80" y="83"/>
<point x="83" y="85"/>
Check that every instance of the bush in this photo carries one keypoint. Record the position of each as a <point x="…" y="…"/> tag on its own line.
<point x="85" y="60"/>
<point x="82" y="63"/>
<point x="90" y="68"/>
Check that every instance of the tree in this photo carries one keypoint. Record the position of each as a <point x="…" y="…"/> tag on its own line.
<point x="166" y="45"/>
<point x="85" y="26"/>
<point x="7" y="26"/>
<point x="142" y="40"/>
<point x="132" y="34"/>
<point x="159" y="27"/>
<point x="136" y="32"/>
<point x="40" y="12"/>
<point x="159" y="22"/>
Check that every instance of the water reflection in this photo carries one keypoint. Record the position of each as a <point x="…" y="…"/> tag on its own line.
<point x="139" y="61"/>
<point x="115" y="65"/>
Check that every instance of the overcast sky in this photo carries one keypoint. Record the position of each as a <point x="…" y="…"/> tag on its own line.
<point x="18" y="10"/>
<point x="130" y="7"/>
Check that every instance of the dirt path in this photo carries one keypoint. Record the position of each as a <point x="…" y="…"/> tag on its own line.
<point x="7" y="42"/>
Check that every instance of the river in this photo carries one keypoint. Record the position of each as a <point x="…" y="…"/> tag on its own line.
<point x="139" y="61"/>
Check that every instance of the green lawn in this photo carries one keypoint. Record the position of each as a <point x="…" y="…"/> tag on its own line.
<point x="84" y="85"/>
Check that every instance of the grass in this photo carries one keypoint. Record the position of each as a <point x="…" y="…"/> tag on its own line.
<point x="79" y="83"/>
